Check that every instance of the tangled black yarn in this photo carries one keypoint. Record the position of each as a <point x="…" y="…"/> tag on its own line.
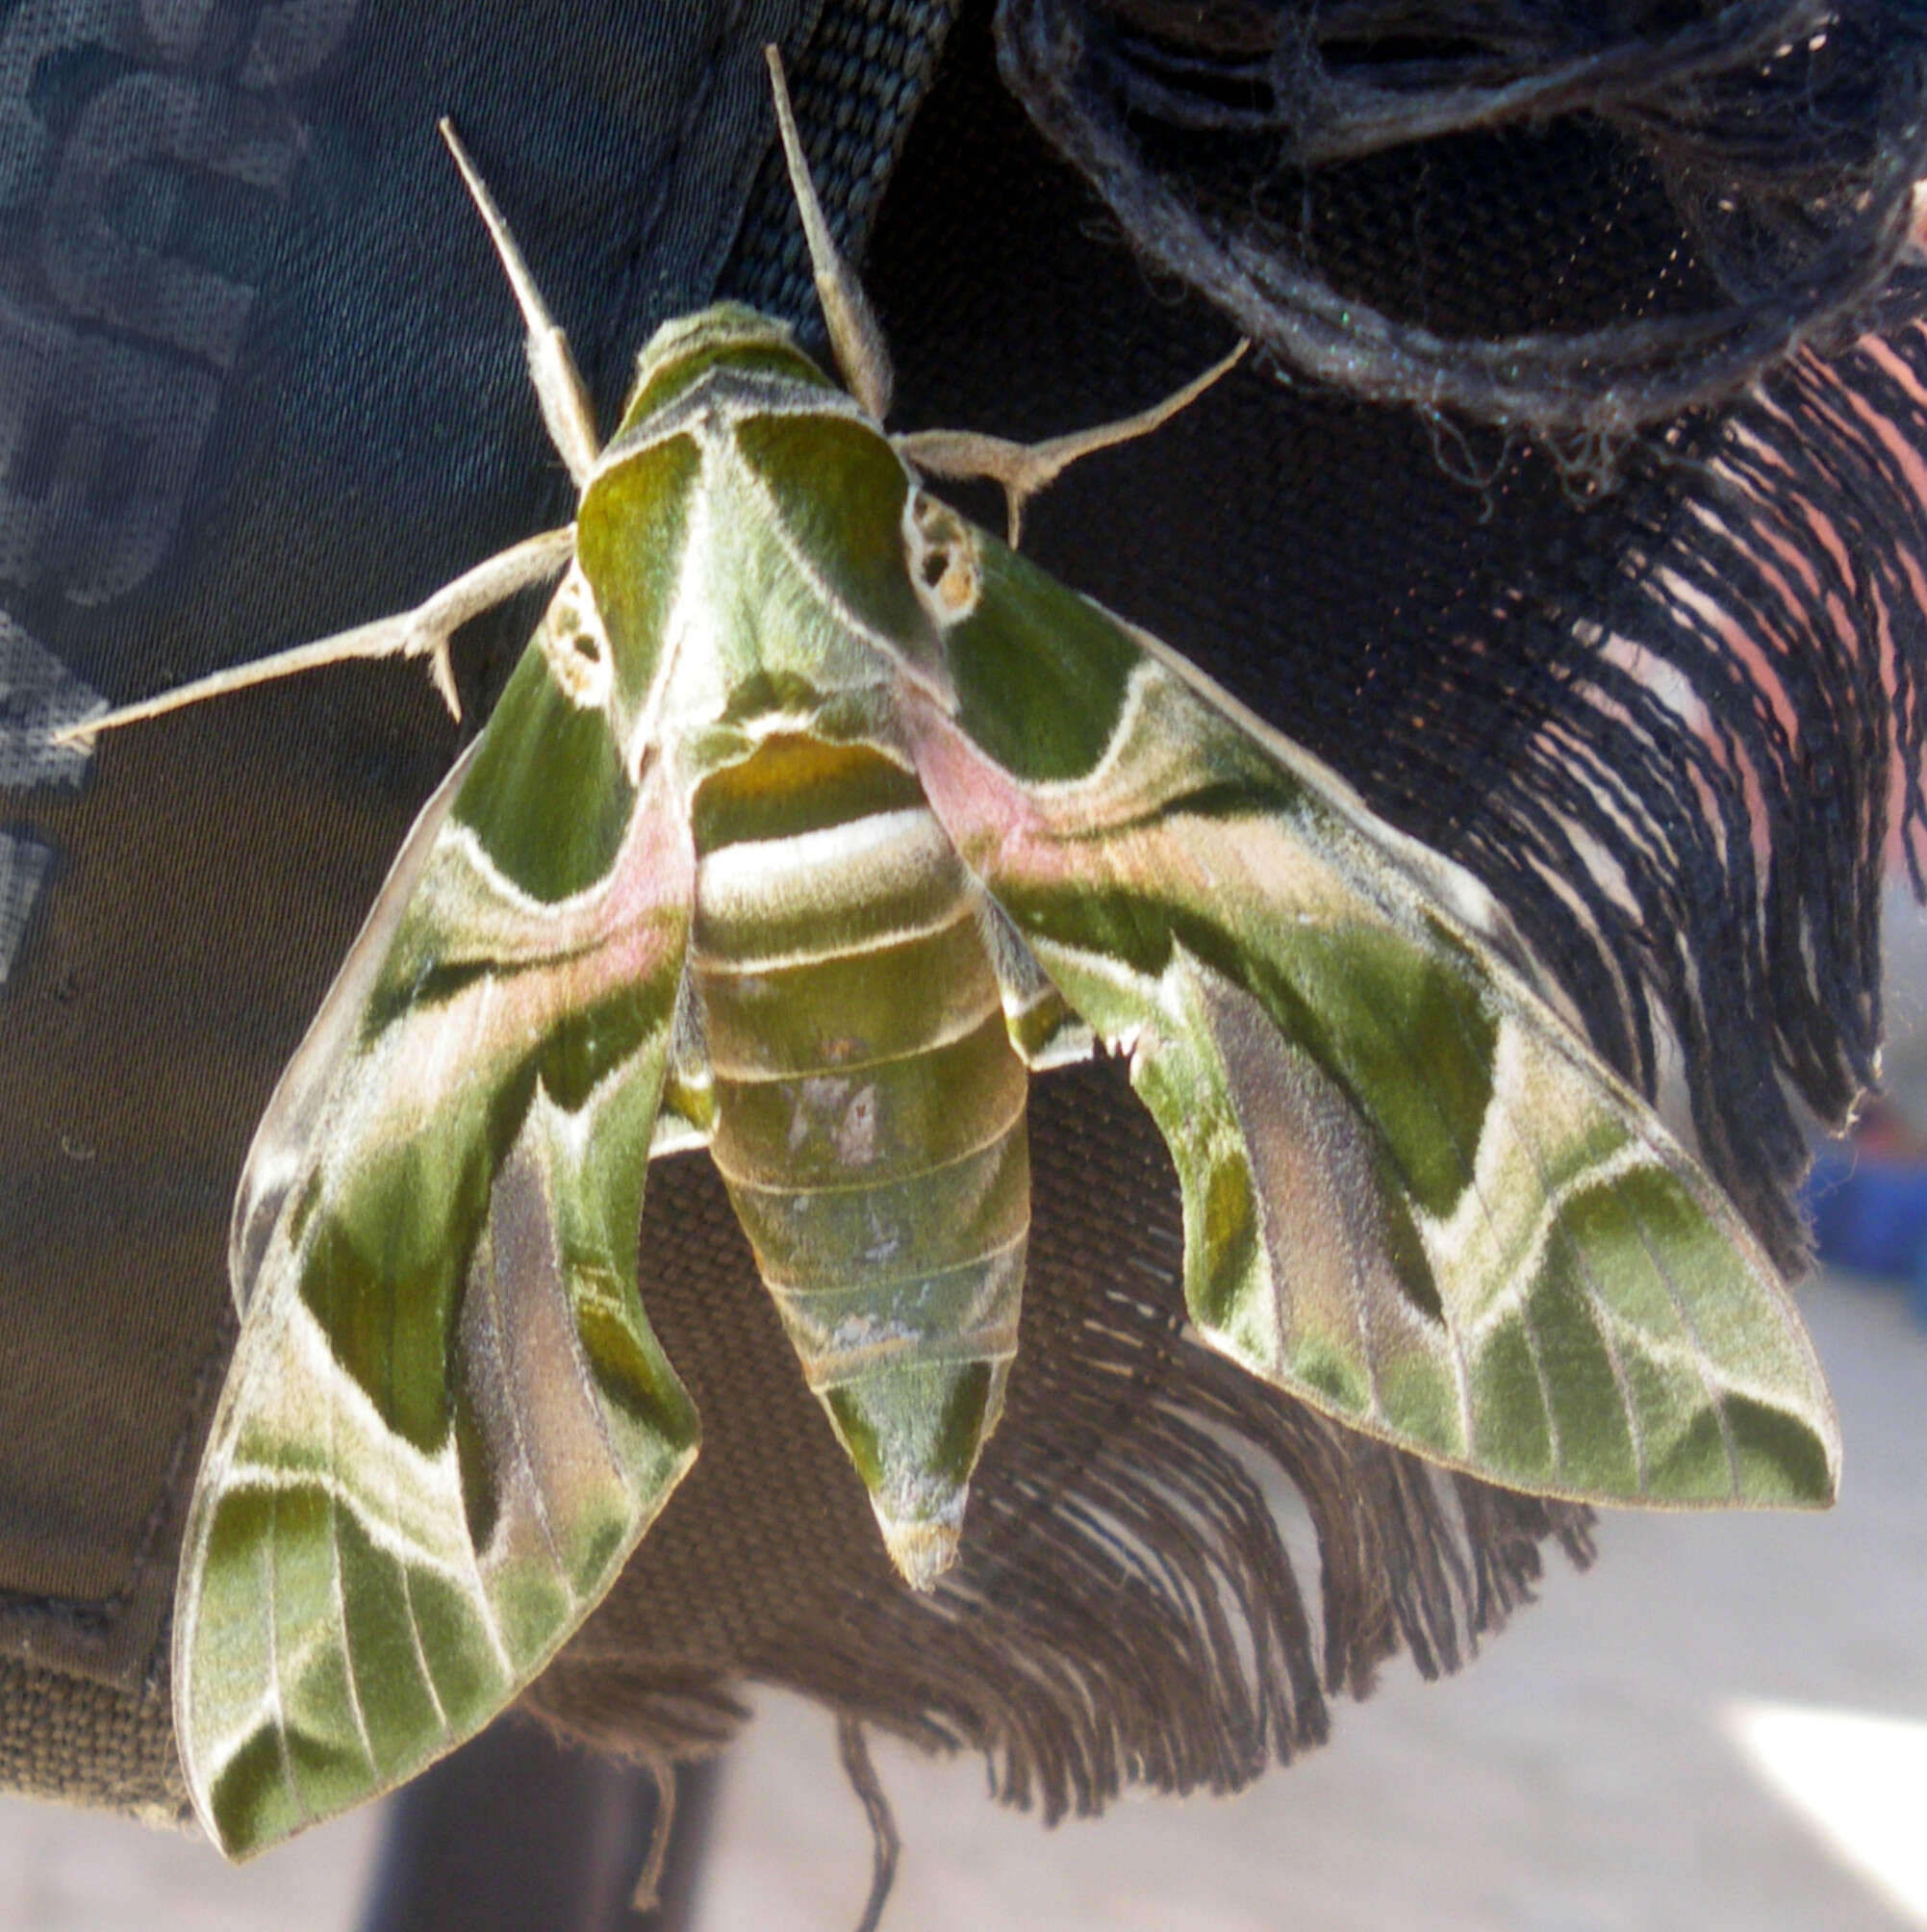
<point x="1787" y="135"/>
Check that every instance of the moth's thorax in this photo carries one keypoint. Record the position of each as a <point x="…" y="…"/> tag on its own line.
<point x="726" y="337"/>
<point x="758" y="554"/>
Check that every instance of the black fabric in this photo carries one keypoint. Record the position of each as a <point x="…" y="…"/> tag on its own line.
<point x="514" y="1833"/>
<point x="1660" y="688"/>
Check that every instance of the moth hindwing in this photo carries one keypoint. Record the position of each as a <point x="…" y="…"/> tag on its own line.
<point x="812" y="820"/>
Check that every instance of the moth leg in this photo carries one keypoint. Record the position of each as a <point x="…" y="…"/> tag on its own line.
<point x="854" y="335"/>
<point x="1023" y="469"/>
<point x="558" y="388"/>
<point x="426" y="631"/>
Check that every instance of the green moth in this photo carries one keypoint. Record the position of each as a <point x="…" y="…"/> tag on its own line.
<point x="814" y="820"/>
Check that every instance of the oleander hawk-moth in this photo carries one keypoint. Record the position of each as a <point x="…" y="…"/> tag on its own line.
<point x="812" y="822"/>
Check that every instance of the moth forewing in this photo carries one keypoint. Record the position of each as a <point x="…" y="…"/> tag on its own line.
<point x="448" y="1421"/>
<point x="294" y="1119"/>
<point x="1413" y="1197"/>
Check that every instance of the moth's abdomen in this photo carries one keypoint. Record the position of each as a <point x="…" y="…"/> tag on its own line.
<point x="868" y="1112"/>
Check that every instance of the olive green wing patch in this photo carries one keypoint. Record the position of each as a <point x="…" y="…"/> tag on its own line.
<point x="1412" y="1195"/>
<point x="448" y="1422"/>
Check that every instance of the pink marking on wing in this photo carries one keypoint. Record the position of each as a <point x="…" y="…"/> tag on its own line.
<point x="1080" y="832"/>
<point x="1007" y="834"/>
<point x="625" y="935"/>
<point x="994" y="823"/>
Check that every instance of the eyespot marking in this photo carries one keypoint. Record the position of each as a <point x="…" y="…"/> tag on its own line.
<point x="576" y="644"/>
<point x="942" y="555"/>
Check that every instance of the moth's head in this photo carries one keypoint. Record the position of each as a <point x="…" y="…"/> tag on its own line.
<point x="728" y="337"/>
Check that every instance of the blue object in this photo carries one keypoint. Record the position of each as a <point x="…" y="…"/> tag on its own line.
<point x="1869" y="1213"/>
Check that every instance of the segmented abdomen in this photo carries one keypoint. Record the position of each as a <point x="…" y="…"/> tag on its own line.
<point x="869" y="1113"/>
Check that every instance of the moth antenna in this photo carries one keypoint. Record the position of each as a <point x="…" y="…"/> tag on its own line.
<point x="854" y="334"/>
<point x="424" y="631"/>
<point x="1023" y="469"/>
<point x="558" y="386"/>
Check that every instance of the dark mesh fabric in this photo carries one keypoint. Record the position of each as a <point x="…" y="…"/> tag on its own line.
<point x="259" y="376"/>
<point x="1655" y="676"/>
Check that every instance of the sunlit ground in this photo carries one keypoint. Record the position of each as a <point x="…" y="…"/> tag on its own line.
<point x="1723" y="1727"/>
<point x="1857" y="1780"/>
